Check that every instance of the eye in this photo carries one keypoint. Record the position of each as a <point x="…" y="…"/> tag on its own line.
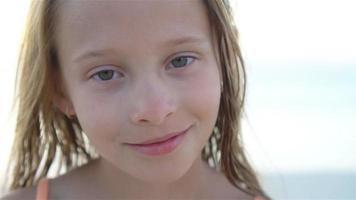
<point x="105" y="75"/>
<point x="182" y="61"/>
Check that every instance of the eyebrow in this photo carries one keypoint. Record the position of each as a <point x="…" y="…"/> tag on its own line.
<point x="172" y="42"/>
<point x="184" y="40"/>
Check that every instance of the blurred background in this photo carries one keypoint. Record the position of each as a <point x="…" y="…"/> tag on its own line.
<point x="299" y="126"/>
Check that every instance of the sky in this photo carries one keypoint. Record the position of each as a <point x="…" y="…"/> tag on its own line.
<point x="292" y="49"/>
<point x="301" y="61"/>
<point x="279" y="30"/>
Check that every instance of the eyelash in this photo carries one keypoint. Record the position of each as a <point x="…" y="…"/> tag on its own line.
<point x="96" y="75"/>
<point x="189" y="57"/>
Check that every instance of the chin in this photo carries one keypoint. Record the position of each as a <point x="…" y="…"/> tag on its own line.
<point x="159" y="171"/>
<point x="163" y="174"/>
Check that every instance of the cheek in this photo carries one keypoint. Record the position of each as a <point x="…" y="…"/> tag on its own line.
<point x="101" y="118"/>
<point x="202" y="100"/>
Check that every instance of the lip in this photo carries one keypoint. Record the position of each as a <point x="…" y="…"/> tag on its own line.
<point x="160" y="146"/>
<point x="160" y="139"/>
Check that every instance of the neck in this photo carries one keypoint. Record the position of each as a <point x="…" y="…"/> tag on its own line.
<point x="120" y="184"/>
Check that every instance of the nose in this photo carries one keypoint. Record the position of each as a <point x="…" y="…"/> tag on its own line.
<point x="152" y="105"/>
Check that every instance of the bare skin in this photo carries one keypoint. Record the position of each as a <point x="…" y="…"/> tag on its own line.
<point x="209" y="185"/>
<point x="82" y="183"/>
<point x="146" y="98"/>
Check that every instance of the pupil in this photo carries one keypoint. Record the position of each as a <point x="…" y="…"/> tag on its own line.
<point x="106" y="75"/>
<point x="179" y="62"/>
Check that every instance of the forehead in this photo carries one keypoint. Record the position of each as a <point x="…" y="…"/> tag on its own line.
<point x="85" y="24"/>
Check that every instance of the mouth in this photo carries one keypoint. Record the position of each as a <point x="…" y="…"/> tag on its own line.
<point x="160" y="139"/>
<point x="160" y="146"/>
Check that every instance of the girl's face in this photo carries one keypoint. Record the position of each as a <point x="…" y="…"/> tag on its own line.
<point x="136" y="71"/>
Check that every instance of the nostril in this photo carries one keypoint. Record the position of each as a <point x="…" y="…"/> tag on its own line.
<point x="143" y="120"/>
<point x="152" y="110"/>
<point x="151" y="116"/>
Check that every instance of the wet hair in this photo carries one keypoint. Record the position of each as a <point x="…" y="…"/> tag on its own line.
<point x="46" y="137"/>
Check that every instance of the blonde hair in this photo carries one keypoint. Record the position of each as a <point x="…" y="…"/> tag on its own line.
<point x="44" y="134"/>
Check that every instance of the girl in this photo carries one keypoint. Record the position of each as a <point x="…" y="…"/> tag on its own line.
<point x="156" y="87"/>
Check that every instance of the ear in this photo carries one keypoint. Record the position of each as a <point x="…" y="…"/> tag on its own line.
<point x="60" y="98"/>
<point x="64" y="104"/>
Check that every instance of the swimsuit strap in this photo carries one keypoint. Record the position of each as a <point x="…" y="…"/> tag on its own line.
<point x="259" y="198"/>
<point x="42" y="190"/>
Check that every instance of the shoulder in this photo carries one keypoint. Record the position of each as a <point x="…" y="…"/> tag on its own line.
<point x="58" y="187"/>
<point x="74" y="184"/>
<point x="20" y="194"/>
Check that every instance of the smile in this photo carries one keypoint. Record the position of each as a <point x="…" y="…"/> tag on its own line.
<point x="160" y="146"/>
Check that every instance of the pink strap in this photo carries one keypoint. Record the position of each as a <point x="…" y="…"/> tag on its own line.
<point x="259" y="198"/>
<point x="42" y="190"/>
